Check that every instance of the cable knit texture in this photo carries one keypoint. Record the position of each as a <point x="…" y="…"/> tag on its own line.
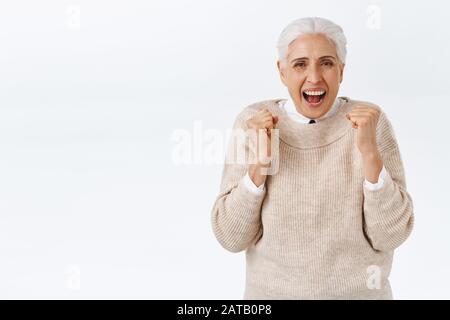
<point x="315" y="232"/>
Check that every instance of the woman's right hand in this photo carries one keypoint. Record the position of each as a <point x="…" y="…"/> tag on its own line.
<point x="262" y="120"/>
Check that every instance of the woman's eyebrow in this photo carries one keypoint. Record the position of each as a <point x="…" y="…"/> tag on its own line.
<point x="298" y="59"/>
<point x="325" y="57"/>
<point x="306" y="58"/>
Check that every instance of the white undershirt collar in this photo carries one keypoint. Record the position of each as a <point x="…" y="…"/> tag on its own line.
<point x="291" y="110"/>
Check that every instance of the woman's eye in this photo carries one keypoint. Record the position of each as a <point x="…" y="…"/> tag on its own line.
<point x="300" y="65"/>
<point x="328" y="63"/>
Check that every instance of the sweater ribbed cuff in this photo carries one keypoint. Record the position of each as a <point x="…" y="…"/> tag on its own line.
<point x="245" y="197"/>
<point x="381" y="193"/>
<point x="378" y="203"/>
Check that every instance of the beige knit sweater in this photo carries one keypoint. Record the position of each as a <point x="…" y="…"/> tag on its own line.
<point x="315" y="232"/>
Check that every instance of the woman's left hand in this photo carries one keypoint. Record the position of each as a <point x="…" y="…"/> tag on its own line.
<point x="364" y="118"/>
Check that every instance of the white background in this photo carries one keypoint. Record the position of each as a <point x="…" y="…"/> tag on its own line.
<point x="91" y="92"/>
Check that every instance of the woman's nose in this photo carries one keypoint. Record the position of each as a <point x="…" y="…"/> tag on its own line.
<point x="314" y="75"/>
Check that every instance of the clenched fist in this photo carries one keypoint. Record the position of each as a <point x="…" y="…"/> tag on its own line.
<point x="263" y="122"/>
<point x="364" y="118"/>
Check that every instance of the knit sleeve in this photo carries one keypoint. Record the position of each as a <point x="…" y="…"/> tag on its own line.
<point x="235" y="217"/>
<point x="388" y="212"/>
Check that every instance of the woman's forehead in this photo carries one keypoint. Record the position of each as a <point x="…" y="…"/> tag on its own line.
<point x="312" y="46"/>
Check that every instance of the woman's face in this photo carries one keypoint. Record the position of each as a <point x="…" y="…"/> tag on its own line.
<point x="312" y="73"/>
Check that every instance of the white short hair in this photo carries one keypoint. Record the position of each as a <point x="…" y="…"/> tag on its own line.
<point x="312" y="25"/>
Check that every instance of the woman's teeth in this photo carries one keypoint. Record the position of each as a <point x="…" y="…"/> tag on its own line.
<point x="314" y="93"/>
<point x="314" y="97"/>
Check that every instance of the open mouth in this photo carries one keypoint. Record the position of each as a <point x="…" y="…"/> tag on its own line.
<point x="314" y="97"/>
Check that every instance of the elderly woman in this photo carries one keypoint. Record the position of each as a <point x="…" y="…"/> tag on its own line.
<point x="325" y="222"/>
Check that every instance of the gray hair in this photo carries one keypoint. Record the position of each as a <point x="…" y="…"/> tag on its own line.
<point x="312" y="25"/>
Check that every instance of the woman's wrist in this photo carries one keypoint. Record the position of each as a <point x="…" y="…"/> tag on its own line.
<point x="373" y="164"/>
<point x="256" y="174"/>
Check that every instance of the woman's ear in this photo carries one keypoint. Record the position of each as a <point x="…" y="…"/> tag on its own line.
<point x="281" y="70"/>
<point x="342" y="72"/>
